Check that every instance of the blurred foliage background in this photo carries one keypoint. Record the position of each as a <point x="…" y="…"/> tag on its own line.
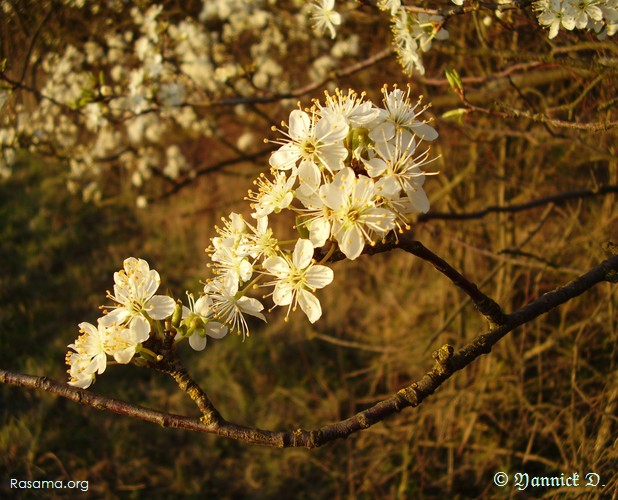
<point x="543" y="402"/>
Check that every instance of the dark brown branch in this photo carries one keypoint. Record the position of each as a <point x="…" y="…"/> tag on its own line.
<point x="38" y="94"/>
<point x="519" y="207"/>
<point x="33" y="43"/>
<point x="446" y="363"/>
<point x="174" y="369"/>
<point x="485" y="305"/>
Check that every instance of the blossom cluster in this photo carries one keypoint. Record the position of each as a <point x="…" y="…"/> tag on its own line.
<point x="599" y="16"/>
<point x="105" y="102"/>
<point x="414" y="32"/>
<point x="349" y="171"/>
<point x="120" y="332"/>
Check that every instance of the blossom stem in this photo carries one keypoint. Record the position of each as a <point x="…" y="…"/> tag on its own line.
<point x="251" y="284"/>
<point x="329" y="254"/>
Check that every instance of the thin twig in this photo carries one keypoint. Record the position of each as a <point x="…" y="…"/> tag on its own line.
<point x="519" y="207"/>
<point x="485" y="305"/>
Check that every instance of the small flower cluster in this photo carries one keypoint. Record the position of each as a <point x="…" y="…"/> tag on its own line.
<point x="352" y="166"/>
<point x="413" y="34"/>
<point x="350" y="173"/>
<point x="599" y="16"/>
<point x="325" y="17"/>
<point x="121" y="332"/>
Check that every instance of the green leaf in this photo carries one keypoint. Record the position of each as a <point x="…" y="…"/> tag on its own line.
<point x="455" y="114"/>
<point x="454" y="81"/>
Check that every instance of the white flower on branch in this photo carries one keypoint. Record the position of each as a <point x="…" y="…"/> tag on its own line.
<point x="198" y="323"/>
<point x="398" y="114"/>
<point x="356" y="216"/>
<point x="230" y="306"/>
<point x="314" y="140"/>
<point x="296" y="278"/>
<point x="134" y="291"/>
<point x="325" y="17"/>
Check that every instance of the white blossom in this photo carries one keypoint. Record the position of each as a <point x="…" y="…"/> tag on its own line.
<point x="296" y="278"/>
<point x="134" y="291"/>
<point x="325" y="17"/>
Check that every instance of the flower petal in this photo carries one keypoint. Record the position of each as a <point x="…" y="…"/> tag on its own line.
<point x="310" y="305"/>
<point x="197" y="342"/>
<point x="351" y="242"/>
<point x="319" y="276"/>
<point x="283" y="293"/>
<point x="303" y="253"/>
<point x="160" y="307"/>
<point x="216" y="330"/>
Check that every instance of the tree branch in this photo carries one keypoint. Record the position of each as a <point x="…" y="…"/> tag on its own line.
<point x="446" y="363"/>
<point x="485" y="305"/>
<point x="519" y="207"/>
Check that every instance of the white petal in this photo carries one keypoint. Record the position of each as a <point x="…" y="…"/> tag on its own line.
<point x="363" y="190"/>
<point x="383" y="132"/>
<point x="300" y="124"/>
<point x="251" y="306"/>
<point x="309" y="175"/>
<point x="100" y="362"/>
<point x="185" y="312"/>
<point x="150" y="284"/>
<point x="303" y="253"/>
<point x="319" y="276"/>
<point x="332" y="195"/>
<point x="375" y="166"/>
<point x="89" y="328"/>
<point x="283" y="294"/>
<point x="160" y="306"/>
<point x="351" y="242"/>
<point x="245" y="270"/>
<point x="117" y="316"/>
<point x="83" y="382"/>
<point x="419" y="200"/>
<point x="277" y="266"/>
<point x="388" y="187"/>
<point x="333" y="156"/>
<point x="310" y="305"/>
<point x="319" y="232"/>
<point x="285" y="157"/>
<point x="216" y="330"/>
<point x="202" y="306"/>
<point x="140" y="329"/>
<point x="124" y="356"/>
<point x="332" y="128"/>
<point x="197" y="342"/>
<point x="425" y="132"/>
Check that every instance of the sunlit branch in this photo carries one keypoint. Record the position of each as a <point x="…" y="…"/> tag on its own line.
<point x="447" y="362"/>
<point x="485" y="304"/>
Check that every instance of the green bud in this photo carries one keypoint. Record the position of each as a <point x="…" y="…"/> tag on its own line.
<point x="358" y="138"/>
<point x="177" y="314"/>
<point x="455" y="114"/>
<point x="455" y="82"/>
